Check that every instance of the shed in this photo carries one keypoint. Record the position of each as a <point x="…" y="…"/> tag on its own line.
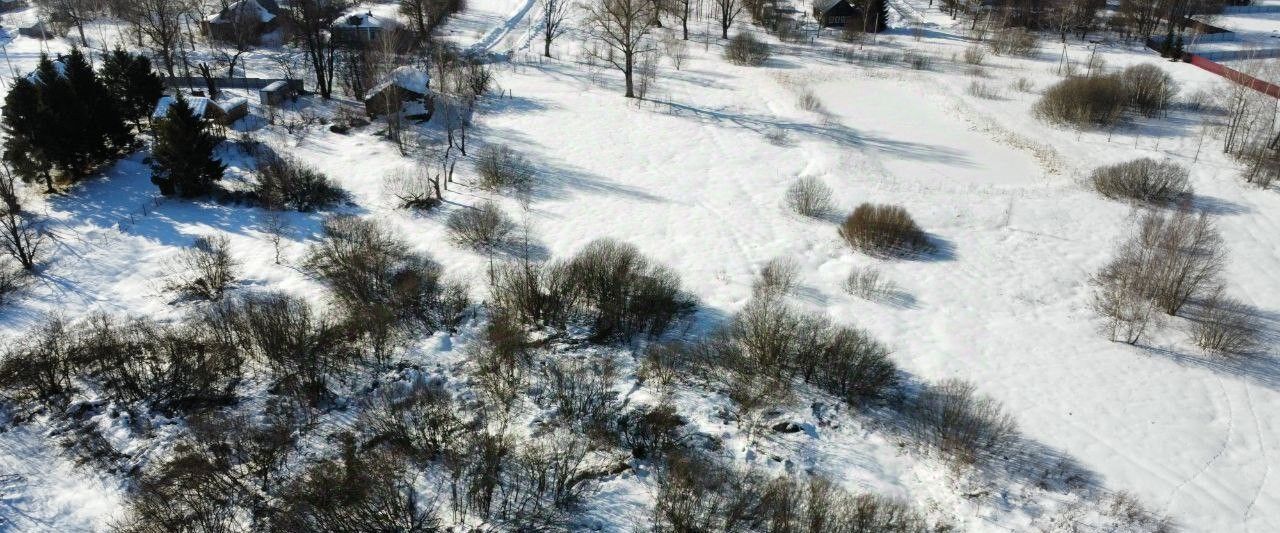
<point x="276" y="93"/>
<point x="39" y="30"/>
<point x="404" y="85"/>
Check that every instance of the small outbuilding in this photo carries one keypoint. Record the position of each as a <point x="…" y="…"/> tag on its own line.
<point x="276" y="93"/>
<point x="403" y="86"/>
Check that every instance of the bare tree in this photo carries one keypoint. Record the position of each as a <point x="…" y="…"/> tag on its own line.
<point x="158" y="23"/>
<point x="21" y="235"/>
<point x="683" y="10"/>
<point x="623" y="26"/>
<point x="77" y="12"/>
<point x="311" y="19"/>
<point x="725" y="12"/>
<point x="551" y="18"/>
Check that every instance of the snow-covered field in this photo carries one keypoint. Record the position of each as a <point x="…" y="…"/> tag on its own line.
<point x="695" y="174"/>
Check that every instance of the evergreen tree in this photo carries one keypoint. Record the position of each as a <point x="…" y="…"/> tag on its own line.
<point x="105" y="132"/>
<point x="1177" y="48"/>
<point x="25" y="122"/>
<point x="182" y="162"/>
<point x="135" y="86"/>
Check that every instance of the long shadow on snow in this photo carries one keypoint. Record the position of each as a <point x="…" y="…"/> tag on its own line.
<point x="838" y="133"/>
<point x="1260" y="367"/>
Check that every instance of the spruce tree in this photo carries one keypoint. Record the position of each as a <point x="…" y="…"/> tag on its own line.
<point x="132" y="82"/>
<point x="879" y="19"/>
<point x="182" y="161"/>
<point x="25" y="121"/>
<point x="105" y="132"/>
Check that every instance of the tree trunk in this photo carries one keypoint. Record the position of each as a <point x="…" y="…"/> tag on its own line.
<point x="626" y="73"/>
<point x="546" y="45"/>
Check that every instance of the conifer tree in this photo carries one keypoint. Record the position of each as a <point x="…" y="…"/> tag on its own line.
<point x="26" y="124"/>
<point x="182" y="161"/>
<point x="878" y="19"/>
<point x="130" y="79"/>
<point x="104" y="130"/>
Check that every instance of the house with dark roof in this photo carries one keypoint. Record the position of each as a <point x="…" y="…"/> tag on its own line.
<point x="243" y="21"/>
<point x="835" y="13"/>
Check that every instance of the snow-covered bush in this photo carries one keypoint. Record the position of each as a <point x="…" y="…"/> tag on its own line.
<point x="500" y="167"/>
<point x="962" y="424"/>
<point x="287" y="183"/>
<point x="1083" y="101"/>
<point x="975" y="55"/>
<point x="809" y="197"/>
<point x="883" y="230"/>
<point x="776" y="279"/>
<point x="1149" y="88"/>
<point x="1226" y="327"/>
<point x="206" y="268"/>
<point x="983" y="90"/>
<point x="1015" y="41"/>
<point x="385" y="290"/>
<point x="650" y="432"/>
<point x="745" y="49"/>
<point x="483" y="227"/>
<point x="622" y="294"/>
<point x="1144" y="180"/>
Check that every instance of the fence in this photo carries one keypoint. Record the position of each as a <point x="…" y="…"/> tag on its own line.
<point x="230" y="83"/>
<point x="1256" y="84"/>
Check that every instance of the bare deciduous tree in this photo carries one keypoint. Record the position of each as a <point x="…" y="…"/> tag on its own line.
<point x="158" y="24"/>
<point x="725" y="12"/>
<point x="551" y="19"/>
<point x="623" y="26"/>
<point x="311" y="19"/>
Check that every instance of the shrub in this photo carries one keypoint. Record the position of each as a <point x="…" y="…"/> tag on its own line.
<point x="975" y="55"/>
<point x="500" y="167"/>
<point x="302" y="349"/>
<point x="883" y="230"/>
<point x="581" y="392"/>
<point x="360" y="491"/>
<point x="777" y="278"/>
<point x="1144" y="180"/>
<point x="1084" y="101"/>
<point x="207" y="268"/>
<point x="868" y="284"/>
<point x="650" y="432"/>
<point x="1015" y="41"/>
<point x="386" y="291"/>
<point x="809" y="197"/>
<point x="744" y="49"/>
<point x="419" y="420"/>
<point x="960" y="423"/>
<point x="1149" y="88"/>
<point x="483" y="227"/>
<point x="288" y="183"/>
<point x="415" y="188"/>
<point x="983" y="90"/>
<point x="1226" y="327"/>
<point x="623" y="293"/>
<point x="808" y="100"/>
<point x="1023" y="85"/>
<point x="917" y="61"/>
<point x="12" y="280"/>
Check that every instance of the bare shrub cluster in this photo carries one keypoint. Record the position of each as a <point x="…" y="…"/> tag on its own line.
<point x="697" y="494"/>
<point x="983" y="90"/>
<point x="1226" y="326"/>
<point x="483" y="227"/>
<point x="1016" y="42"/>
<point x="415" y="188"/>
<point x="810" y="197"/>
<point x="1101" y="99"/>
<point x="884" y="230"/>
<point x="1172" y="259"/>
<point x="607" y="287"/>
<point x="206" y="268"/>
<point x="386" y="291"/>
<point x="975" y="55"/>
<point x="284" y="182"/>
<point x="1144" y="180"/>
<point x="962" y="424"/>
<point x="500" y="167"/>
<point x="745" y="49"/>
<point x="869" y="284"/>
<point x="776" y="279"/>
<point x="767" y="346"/>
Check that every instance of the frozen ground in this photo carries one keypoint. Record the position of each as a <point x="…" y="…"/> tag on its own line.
<point x="695" y="175"/>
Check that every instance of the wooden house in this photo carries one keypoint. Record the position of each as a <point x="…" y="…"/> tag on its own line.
<point x="243" y="21"/>
<point x="404" y="86"/>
